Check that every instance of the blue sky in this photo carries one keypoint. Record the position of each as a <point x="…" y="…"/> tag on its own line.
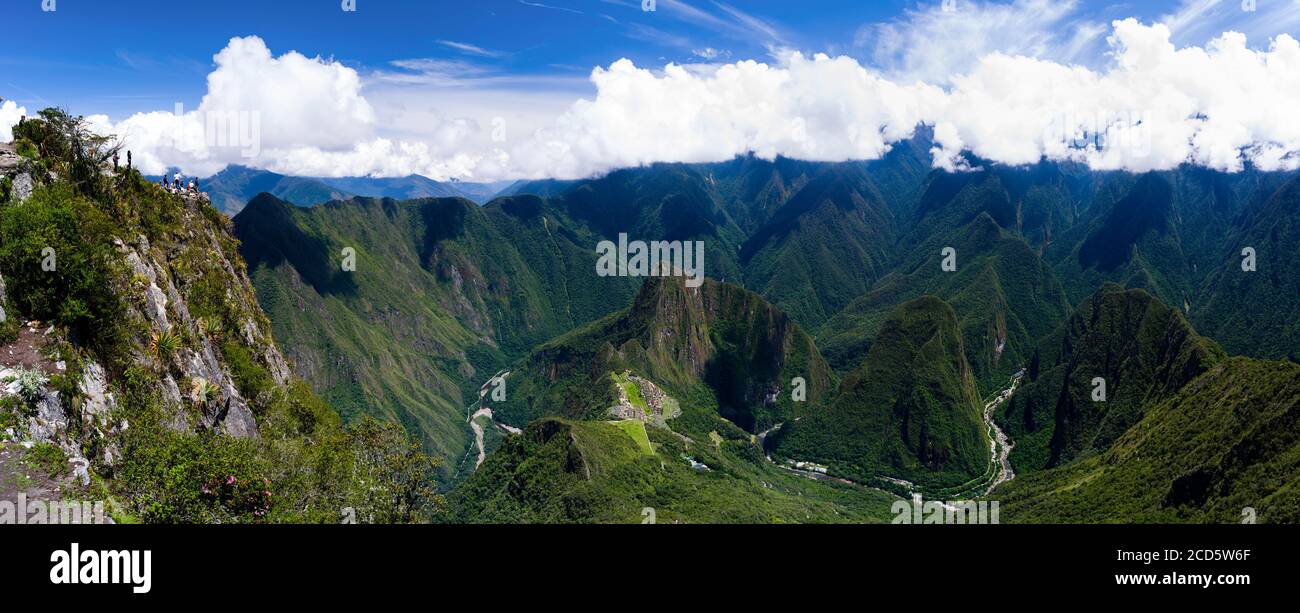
<point x="133" y="55"/>
<point x="427" y="81"/>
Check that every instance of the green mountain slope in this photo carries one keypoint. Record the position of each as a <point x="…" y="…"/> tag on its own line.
<point x="719" y="349"/>
<point x="1142" y="349"/>
<point x="687" y="371"/>
<point x="444" y="293"/>
<point x="1004" y="295"/>
<point x="144" y="368"/>
<point x="1227" y="441"/>
<point x="1258" y="313"/>
<point x="910" y="411"/>
<point x="561" y="471"/>
<point x="1164" y="232"/>
<point x="822" y="247"/>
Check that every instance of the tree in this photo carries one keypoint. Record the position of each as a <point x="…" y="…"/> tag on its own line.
<point x="67" y="145"/>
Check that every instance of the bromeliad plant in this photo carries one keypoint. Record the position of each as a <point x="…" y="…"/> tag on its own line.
<point x="164" y="345"/>
<point x="211" y="327"/>
<point x="202" y="391"/>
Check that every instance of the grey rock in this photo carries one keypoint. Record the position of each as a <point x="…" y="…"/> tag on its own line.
<point x="155" y="298"/>
<point x="81" y="470"/>
<point x="97" y="401"/>
<point x="50" y="421"/>
<point x="23" y="188"/>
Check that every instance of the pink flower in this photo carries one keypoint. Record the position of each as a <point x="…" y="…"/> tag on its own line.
<point x="230" y="480"/>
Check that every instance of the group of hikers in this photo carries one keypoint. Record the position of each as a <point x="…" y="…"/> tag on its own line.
<point x="175" y="185"/>
<point x="179" y="185"/>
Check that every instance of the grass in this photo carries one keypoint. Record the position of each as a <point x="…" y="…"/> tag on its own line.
<point x="632" y="391"/>
<point x="566" y="471"/>
<point x="635" y="428"/>
<point x="49" y="458"/>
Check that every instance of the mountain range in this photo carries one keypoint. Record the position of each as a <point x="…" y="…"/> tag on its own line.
<point x="898" y="299"/>
<point x="231" y="189"/>
<point x="1080" y="345"/>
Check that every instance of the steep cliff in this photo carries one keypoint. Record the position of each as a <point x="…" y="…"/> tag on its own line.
<point x="134" y="354"/>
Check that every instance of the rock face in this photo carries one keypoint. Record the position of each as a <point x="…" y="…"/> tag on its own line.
<point x="18" y="170"/>
<point x="22" y="187"/>
<point x="160" y="305"/>
<point x="162" y="283"/>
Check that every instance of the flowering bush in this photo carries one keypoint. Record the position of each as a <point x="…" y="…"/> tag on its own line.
<point x="31" y="384"/>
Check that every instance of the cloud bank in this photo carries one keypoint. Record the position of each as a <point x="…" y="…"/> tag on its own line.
<point x="1153" y="106"/>
<point x="10" y="113"/>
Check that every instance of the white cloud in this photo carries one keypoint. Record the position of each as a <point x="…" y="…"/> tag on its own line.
<point x="933" y="43"/>
<point x="473" y="49"/>
<point x="1157" y="107"/>
<point x="10" y="113"/>
<point x="256" y="106"/>
<point x="1153" y="105"/>
<point x="817" y="108"/>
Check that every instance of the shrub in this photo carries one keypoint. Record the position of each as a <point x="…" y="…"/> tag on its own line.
<point x="77" y="293"/>
<point x="49" y="458"/>
<point x="66" y="144"/>
<point x="31" y="385"/>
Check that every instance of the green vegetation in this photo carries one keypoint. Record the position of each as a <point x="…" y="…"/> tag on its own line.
<point x="58" y="260"/>
<point x="49" y="459"/>
<point x="171" y="465"/>
<point x="445" y="294"/>
<point x="719" y="350"/>
<point x="635" y="428"/>
<point x="30" y="385"/>
<point x="1142" y="349"/>
<point x="562" y="471"/>
<point x="1005" y="296"/>
<point x="1258" y="313"/>
<point x="909" y="412"/>
<point x="1227" y="441"/>
<point x="823" y="247"/>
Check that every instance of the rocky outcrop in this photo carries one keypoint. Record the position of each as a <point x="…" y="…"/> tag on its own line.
<point x="23" y="187"/>
<point x="161" y="274"/>
<point x="17" y="170"/>
<point x="160" y="281"/>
